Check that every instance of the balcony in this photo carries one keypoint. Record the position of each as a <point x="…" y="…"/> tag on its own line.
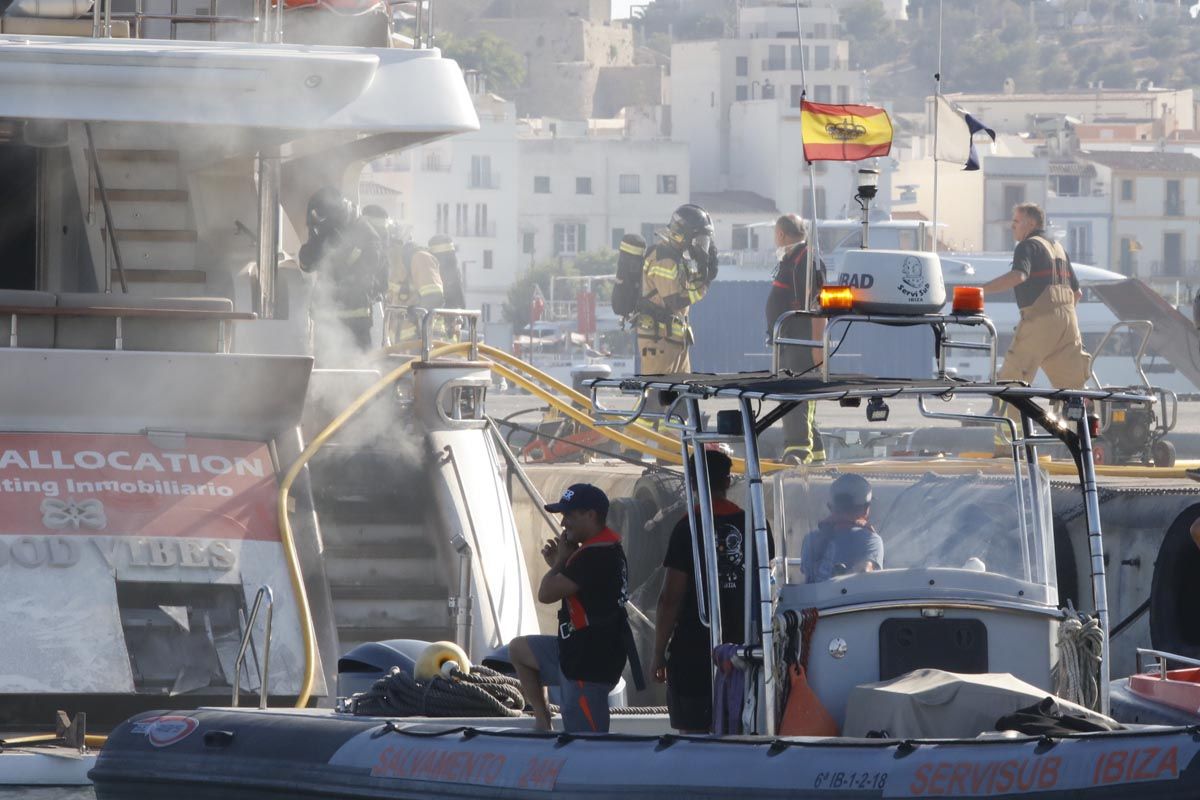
<point x="1181" y="268"/>
<point x="489" y="180"/>
<point x="1173" y="209"/>
<point x="434" y="164"/>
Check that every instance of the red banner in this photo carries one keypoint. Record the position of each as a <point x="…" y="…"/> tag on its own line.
<point x="126" y="485"/>
<point x="585" y="303"/>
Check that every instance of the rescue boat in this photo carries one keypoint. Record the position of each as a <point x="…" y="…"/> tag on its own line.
<point x="950" y="670"/>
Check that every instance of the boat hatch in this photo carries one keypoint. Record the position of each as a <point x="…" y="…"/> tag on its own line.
<point x="182" y="636"/>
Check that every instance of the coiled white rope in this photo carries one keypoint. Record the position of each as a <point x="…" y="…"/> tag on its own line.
<point x="1076" y="676"/>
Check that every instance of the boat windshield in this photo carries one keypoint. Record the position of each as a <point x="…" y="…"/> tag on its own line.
<point x="937" y="513"/>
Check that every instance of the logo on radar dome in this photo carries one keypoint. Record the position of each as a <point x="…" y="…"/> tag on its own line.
<point x="166" y="731"/>
<point x="913" y="283"/>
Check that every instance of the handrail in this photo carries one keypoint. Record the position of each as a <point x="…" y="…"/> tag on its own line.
<point x="108" y="221"/>
<point x="1163" y="657"/>
<point x="1131" y="325"/>
<point x="451" y="315"/>
<point x="264" y="591"/>
<point x="936" y="321"/>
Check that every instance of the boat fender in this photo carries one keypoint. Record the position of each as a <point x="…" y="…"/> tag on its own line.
<point x="440" y="658"/>
<point x="803" y="712"/>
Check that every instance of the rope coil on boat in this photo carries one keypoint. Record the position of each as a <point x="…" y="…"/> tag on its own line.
<point x="1076" y="675"/>
<point x="482" y="693"/>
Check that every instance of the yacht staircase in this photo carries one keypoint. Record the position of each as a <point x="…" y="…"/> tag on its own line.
<point x="153" y="214"/>
<point x="385" y="575"/>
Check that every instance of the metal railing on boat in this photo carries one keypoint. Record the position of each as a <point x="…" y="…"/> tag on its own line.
<point x="264" y="592"/>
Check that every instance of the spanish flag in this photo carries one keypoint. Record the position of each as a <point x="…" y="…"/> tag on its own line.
<point x="844" y="132"/>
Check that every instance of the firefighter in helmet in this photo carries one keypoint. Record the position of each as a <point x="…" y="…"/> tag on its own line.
<point x="413" y="279"/>
<point x="676" y="273"/>
<point x="348" y="255"/>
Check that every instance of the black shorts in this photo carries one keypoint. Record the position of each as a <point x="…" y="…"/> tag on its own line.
<point x="689" y="698"/>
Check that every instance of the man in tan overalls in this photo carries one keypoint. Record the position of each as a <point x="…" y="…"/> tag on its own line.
<point x="1046" y="289"/>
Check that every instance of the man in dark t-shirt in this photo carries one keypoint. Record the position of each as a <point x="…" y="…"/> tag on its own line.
<point x="589" y="576"/>
<point x="682" y="652"/>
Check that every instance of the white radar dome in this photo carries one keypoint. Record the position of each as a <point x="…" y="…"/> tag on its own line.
<point x="892" y="281"/>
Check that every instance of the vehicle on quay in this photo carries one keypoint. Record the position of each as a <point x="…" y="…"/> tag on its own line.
<point x="946" y="664"/>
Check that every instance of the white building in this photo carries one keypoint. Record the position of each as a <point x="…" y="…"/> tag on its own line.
<point x="584" y="185"/>
<point x="736" y="102"/>
<point x="1155" y="215"/>
<point x="1006" y="183"/>
<point x="1014" y="113"/>
<point x="465" y="187"/>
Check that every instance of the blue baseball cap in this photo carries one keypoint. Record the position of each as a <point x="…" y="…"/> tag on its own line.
<point x="580" y="496"/>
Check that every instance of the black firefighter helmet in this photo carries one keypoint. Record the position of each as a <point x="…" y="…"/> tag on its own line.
<point x="329" y="210"/>
<point x="687" y="223"/>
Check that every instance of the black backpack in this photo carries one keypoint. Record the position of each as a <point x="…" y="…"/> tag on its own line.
<point x="452" y="282"/>
<point x="628" y="288"/>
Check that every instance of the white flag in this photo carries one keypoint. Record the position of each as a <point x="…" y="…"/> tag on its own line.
<point x="955" y="135"/>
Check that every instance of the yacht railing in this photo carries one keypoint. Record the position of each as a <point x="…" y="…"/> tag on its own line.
<point x="264" y="592"/>
<point x="265" y="19"/>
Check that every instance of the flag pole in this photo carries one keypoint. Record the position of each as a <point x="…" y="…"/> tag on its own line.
<point x="937" y="108"/>
<point x="813" y="250"/>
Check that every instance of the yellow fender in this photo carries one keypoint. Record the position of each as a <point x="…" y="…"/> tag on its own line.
<point x="438" y="658"/>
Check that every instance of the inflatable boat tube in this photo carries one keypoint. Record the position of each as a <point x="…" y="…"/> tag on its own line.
<point x="283" y="753"/>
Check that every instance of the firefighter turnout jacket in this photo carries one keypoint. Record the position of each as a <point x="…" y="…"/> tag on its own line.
<point x="670" y="285"/>
<point x="414" y="281"/>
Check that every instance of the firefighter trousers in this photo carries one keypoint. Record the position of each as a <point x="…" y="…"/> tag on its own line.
<point x="801" y="439"/>
<point x="1048" y="338"/>
<point x="661" y="356"/>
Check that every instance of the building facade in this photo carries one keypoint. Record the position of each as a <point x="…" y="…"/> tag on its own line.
<point x="584" y="185"/>
<point x="464" y="187"/>
<point x="736" y="102"/>
<point x="1155" y="202"/>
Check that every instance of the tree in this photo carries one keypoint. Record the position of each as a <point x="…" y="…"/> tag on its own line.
<point x="489" y="54"/>
<point x="871" y="34"/>
<point x="520" y="294"/>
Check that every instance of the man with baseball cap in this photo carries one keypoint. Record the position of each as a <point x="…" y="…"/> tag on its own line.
<point x="589" y="576"/>
<point x="844" y="542"/>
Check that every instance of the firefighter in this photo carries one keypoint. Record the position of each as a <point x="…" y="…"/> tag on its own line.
<point x="348" y="255"/>
<point x="413" y="278"/>
<point x="676" y="274"/>
<point x="443" y="249"/>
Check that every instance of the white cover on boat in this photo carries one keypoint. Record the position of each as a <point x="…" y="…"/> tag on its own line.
<point x="932" y="703"/>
